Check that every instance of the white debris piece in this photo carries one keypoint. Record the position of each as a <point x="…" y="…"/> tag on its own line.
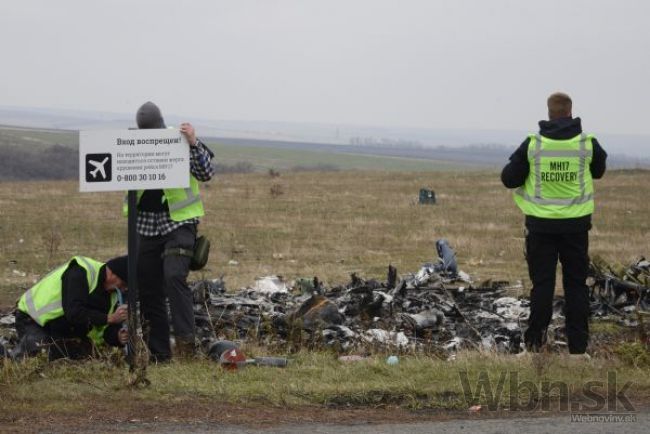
<point x="511" y="308"/>
<point x="464" y="277"/>
<point x="387" y="297"/>
<point x="487" y="343"/>
<point x="376" y="335"/>
<point x="454" y="344"/>
<point x="422" y="276"/>
<point x="270" y="285"/>
<point x="486" y="315"/>
<point x="399" y="339"/>
<point x="7" y="320"/>
<point x="385" y="337"/>
<point x="341" y="330"/>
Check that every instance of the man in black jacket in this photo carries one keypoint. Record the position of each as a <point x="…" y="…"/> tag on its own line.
<point x="552" y="172"/>
<point x="75" y="314"/>
<point x="165" y="227"/>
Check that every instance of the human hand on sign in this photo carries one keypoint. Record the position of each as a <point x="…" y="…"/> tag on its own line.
<point x="188" y="131"/>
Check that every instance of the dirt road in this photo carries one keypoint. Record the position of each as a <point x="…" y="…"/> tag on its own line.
<point x="364" y="423"/>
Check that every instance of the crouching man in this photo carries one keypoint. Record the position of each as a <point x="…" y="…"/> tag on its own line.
<point x="73" y="308"/>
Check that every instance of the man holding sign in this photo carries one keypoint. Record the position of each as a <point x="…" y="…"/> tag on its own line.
<point x="166" y="225"/>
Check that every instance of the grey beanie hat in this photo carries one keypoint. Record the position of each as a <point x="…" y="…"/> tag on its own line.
<point x="149" y="117"/>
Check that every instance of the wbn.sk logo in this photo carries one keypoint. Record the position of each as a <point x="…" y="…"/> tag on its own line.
<point x="98" y="168"/>
<point x="508" y="391"/>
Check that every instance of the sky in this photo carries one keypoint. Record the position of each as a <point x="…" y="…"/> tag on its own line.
<point x="457" y="64"/>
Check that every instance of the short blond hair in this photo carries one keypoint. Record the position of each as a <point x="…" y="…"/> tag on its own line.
<point x="559" y="105"/>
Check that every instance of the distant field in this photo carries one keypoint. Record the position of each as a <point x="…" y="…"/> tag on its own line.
<point x="44" y="154"/>
<point x="325" y="224"/>
<point x="264" y="158"/>
<point x="52" y="154"/>
<point x="37" y="138"/>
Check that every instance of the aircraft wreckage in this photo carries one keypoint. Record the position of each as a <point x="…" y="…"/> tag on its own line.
<point x="438" y="309"/>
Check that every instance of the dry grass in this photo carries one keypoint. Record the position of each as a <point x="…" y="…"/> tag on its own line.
<point x="312" y="378"/>
<point x="325" y="224"/>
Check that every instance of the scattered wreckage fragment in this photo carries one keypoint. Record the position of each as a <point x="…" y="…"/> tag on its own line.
<point x="620" y="293"/>
<point x="437" y="308"/>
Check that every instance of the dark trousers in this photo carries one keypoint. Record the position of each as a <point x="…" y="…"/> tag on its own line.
<point x="33" y="339"/>
<point x="161" y="277"/>
<point x="542" y="254"/>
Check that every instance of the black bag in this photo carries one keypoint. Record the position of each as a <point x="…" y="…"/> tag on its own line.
<point x="198" y="256"/>
<point x="201" y="253"/>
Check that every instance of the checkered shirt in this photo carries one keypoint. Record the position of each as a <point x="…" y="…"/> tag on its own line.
<point x="151" y="224"/>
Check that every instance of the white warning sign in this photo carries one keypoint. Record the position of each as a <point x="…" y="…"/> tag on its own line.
<point x="113" y="160"/>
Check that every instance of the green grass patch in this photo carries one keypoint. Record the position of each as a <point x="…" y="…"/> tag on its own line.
<point x="417" y="382"/>
<point x="634" y="354"/>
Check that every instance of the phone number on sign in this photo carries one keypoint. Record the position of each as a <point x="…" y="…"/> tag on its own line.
<point x="142" y="177"/>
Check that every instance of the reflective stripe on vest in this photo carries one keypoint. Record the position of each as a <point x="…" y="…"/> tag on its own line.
<point x="37" y="313"/>
<point x="51" y="307"/>
<point x="182" y="203"/>
<point x="191" y="199"/>
<point x="43" y="301"/>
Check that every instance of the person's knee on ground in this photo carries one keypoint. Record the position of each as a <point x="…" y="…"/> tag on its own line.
<point x="71" y="348"/>
<point x="28" y="347"/>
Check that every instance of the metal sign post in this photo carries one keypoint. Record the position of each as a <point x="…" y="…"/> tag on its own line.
<point x="133" y="322"/>
<point x="133" y="160"/>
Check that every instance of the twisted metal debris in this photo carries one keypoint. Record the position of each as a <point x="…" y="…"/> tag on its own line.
<point x="432" y="308"/>
<point x="620" y="293"/>
<point x="438" y="308"/>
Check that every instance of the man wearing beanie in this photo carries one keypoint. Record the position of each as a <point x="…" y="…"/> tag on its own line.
<point x="552" y="173"/>
<point x="167" y="222"/>
<point x="73" y="308"/>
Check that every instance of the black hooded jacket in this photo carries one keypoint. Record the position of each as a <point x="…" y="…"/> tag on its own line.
<point x="514" y="174"/>
<point x="83" y="309"/>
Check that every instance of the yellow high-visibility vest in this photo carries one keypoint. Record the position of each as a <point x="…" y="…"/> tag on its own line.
<point x="43" y="302"/>
<point x="183" y="203"/>
<point x="559" y="183"/>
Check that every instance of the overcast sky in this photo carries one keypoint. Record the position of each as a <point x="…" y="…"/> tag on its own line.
<point x="430" y="63"/>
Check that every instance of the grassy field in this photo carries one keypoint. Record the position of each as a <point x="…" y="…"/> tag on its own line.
<point x="264" y="158"/>
<point x="325" y="224"/>
<point x="35" y="138"/>
<point x="417" y="382"/>
<point x="36" y="141"/>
